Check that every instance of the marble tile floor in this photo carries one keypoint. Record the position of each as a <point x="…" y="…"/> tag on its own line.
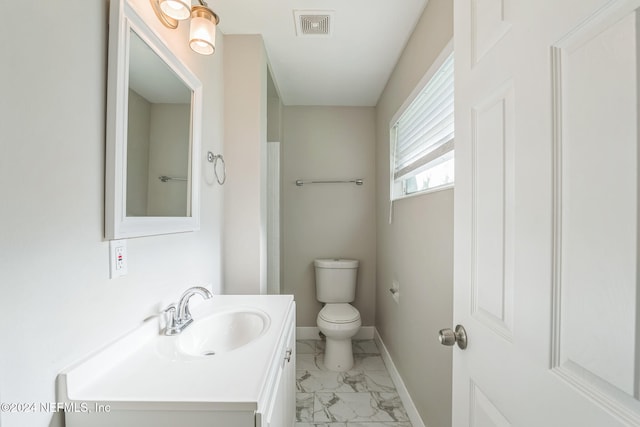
<point x="361" y="397"/>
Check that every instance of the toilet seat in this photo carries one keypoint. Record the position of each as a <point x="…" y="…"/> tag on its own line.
<point x="339" y="313"/>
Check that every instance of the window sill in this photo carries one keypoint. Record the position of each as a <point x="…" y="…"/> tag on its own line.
<point x="425" y="192"/>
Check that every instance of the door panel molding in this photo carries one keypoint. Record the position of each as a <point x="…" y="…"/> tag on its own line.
<point x="483" y="412"/>
<point x="492" y="153"/>
<point x="488" y="26"/>
<point x="616" y="402"/>
<point x="602" y="366"/>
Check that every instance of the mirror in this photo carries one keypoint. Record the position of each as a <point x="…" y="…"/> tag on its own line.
<point x="159" y="109"/>
<point x="153" y="133"/>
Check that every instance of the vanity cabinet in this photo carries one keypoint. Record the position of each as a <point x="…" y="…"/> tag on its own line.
<point x="281" y="404"/>
<point x="144" y="379"/>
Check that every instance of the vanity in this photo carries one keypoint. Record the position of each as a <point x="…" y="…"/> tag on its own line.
<point x="233" y="366"/>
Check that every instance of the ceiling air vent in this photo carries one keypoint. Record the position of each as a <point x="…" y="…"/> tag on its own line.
<point x="313" y="22"/>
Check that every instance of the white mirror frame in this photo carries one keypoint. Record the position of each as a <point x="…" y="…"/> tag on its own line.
<point x="123" y="19"/>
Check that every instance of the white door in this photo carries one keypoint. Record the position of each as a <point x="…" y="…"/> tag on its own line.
<point x="546" y="213"/>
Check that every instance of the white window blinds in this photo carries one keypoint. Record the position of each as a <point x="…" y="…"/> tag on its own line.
<point x="425" y="130"/>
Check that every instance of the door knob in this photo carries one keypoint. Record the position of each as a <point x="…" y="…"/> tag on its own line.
<point x="459" y="336"/>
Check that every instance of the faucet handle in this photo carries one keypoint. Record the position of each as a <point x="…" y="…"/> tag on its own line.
<point x="170" y="318"/>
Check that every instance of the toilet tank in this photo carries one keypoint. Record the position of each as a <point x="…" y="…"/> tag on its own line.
<point x="336" y="280"/>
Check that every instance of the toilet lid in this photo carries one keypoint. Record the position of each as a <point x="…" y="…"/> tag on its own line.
<point x="336" y="263"/>
<point x="339" y="313"/>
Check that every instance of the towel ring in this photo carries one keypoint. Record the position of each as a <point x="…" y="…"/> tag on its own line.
<point x="213" y="158"/>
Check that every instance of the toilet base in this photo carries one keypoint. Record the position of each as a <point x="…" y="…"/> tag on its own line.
<point x="338" y="354"/>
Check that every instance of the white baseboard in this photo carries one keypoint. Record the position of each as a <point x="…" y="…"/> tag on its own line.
<point x="312" y="333"/>
<point x="412" y="411"/>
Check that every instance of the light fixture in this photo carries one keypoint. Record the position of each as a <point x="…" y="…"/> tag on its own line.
<point x="202" y="33"/>
<point x="203" y="22"/>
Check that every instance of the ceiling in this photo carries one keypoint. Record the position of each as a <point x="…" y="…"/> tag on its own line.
<point x="350" y="67"/>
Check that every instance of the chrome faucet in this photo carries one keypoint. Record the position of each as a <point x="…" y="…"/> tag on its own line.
<point x="179" y="316"/>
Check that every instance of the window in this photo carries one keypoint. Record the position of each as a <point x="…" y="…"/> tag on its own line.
<point x="422" y="134"/>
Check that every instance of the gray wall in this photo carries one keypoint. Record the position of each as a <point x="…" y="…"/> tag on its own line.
<point x="245" y="134"/>
<point x="274" y="111"/>
<point x="57" y="302"/>
<point x="417" y="248"/>
<point x="138" y="154"/>
<point x="168" y="155"/>
<point x="328" y="220"/>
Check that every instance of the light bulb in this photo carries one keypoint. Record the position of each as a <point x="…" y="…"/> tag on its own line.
<point x="176" y="9"/>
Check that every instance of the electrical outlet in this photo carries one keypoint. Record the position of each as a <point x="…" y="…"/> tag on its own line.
<point x="118" y="258"/>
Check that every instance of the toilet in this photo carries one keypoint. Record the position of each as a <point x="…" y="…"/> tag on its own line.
<point x="338" y="320"/>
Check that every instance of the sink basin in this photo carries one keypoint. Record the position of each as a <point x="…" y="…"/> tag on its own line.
<point x="222" y="332"/>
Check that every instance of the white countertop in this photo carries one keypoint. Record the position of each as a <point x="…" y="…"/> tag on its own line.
<point x="143" y="369"/>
